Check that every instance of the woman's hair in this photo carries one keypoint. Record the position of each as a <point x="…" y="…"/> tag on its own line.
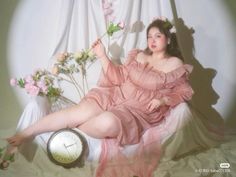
<point x="164" y="27"/>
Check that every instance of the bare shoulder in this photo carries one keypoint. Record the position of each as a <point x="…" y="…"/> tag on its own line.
<point x="175" y="62"/>
<point x="141" y="57"/>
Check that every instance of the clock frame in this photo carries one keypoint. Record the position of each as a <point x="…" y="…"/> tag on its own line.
<point x="79" y="161"/>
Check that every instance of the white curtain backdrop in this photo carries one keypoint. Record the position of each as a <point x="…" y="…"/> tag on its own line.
<point x="40" y="29"/>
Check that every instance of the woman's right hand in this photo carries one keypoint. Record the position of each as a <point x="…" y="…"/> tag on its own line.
<point x="98" y="49"/>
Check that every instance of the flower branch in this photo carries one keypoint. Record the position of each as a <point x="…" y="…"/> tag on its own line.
<point x="44" y="83"/>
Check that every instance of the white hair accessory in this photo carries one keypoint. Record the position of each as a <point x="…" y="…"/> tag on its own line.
<point x="173" y="30"/>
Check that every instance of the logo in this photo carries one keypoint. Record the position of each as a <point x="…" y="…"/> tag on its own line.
<point x="224" y="165"/>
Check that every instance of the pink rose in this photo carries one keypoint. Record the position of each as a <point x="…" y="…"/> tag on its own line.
<point x="32" y="89"/>
<point x="42" y="85"/>
<point x="110" y="18"/>
<point x="108" y="12"/>
<point x="29" y="79"/>
<point x="13" y="82"/>
<point x="45" y="89"/>
<point x="55" y="70"/>
<point x="106" y="5"/>
<point x="61" y="57"/>
<point x="121" y="24"/>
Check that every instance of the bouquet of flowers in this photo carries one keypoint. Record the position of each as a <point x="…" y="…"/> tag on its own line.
<point x="43" y="82"/>
<point x="40" y="83"/>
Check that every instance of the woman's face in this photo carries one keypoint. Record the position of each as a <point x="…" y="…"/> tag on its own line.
<point x="157" y="41"/>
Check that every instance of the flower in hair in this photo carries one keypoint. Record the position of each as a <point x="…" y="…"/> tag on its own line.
<point x="162" y="18"/>
<point x="173" y="30"/>
<point x="167" y="23"/>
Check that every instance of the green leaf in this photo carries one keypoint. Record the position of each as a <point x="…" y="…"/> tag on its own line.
<point x="21" y="83"/>
<point x="1" y="149"/>
<point x="112" y="29"/>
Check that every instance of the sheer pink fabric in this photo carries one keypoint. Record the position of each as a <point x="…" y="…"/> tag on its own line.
<point x="126" y="90"/>
<point x="141" y="162"/>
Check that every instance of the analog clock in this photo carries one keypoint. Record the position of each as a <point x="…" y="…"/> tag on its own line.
<point x="65" y="147"/>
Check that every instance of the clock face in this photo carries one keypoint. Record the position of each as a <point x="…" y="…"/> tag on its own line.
<point x="65" y="147"/>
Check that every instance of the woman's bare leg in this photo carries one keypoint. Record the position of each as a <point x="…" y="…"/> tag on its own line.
<point x="69" y="117"/>
<point x="102" y="126"/>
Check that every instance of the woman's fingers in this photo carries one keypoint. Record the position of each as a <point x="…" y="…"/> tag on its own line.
<point x="98" y="41"/>
<point x="151" y="106"/>
<point x="154" y="104"/>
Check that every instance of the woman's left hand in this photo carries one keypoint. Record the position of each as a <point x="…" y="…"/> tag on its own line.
<point x="154" y="104"/>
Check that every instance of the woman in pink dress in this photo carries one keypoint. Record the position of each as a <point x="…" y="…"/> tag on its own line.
<point x="130" y="98"/>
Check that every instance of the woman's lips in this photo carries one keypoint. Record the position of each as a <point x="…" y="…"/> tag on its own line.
<point x="153" y="46"/>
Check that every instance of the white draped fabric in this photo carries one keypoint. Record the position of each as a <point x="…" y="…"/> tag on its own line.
<point x="72" y="25"/>
<point x="40" y="29"/>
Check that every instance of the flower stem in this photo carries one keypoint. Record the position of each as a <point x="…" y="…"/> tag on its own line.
<point x="59" y="77"/>
<point x="98" y="38"/>
<point x="67" y="99"/>
<point x="86" y="82"/>
<point x="75" y="85"/>
<point x="82" y="77"/>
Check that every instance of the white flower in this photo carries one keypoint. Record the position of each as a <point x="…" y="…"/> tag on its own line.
<point x="173" y="30"/>
<point x="90" y="54"/>
<point x="78" y="55"/>
<point x="162" y="18"/>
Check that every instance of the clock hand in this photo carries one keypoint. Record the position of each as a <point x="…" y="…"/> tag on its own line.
<point x="66" y="146"/>
<point x="70" y="145"/>
<point x="66" y="149"/>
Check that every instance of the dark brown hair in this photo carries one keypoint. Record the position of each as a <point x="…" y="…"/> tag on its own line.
<point x="164" y="27"/>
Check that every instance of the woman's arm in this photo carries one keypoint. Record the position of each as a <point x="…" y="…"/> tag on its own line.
<point x="99" y="51"/>
<point x="111" y="75"/>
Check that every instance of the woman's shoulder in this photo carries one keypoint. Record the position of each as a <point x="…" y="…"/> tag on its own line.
<point x="174" y="63"/>
<point x="177" y="65"/>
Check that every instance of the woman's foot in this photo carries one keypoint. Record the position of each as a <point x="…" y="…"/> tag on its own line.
<point x="7" y="157"/>
<point x="17" y="139"/>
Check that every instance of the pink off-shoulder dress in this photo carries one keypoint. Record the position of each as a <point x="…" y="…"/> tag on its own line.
<point x="125" y="90"/>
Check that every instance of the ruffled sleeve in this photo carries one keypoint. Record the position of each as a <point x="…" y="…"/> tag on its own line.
<point x="179" y="89"/>
<point x="114" y="76"/>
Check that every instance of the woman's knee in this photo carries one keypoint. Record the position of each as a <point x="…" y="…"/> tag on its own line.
<point x="109" y="124"/>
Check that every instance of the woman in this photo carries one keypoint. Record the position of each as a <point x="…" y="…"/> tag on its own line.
<point x="130" y="98"/>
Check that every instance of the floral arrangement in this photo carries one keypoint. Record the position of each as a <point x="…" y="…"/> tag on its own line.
<point x="44" y="83"/>
<point x="41" y="83"/>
